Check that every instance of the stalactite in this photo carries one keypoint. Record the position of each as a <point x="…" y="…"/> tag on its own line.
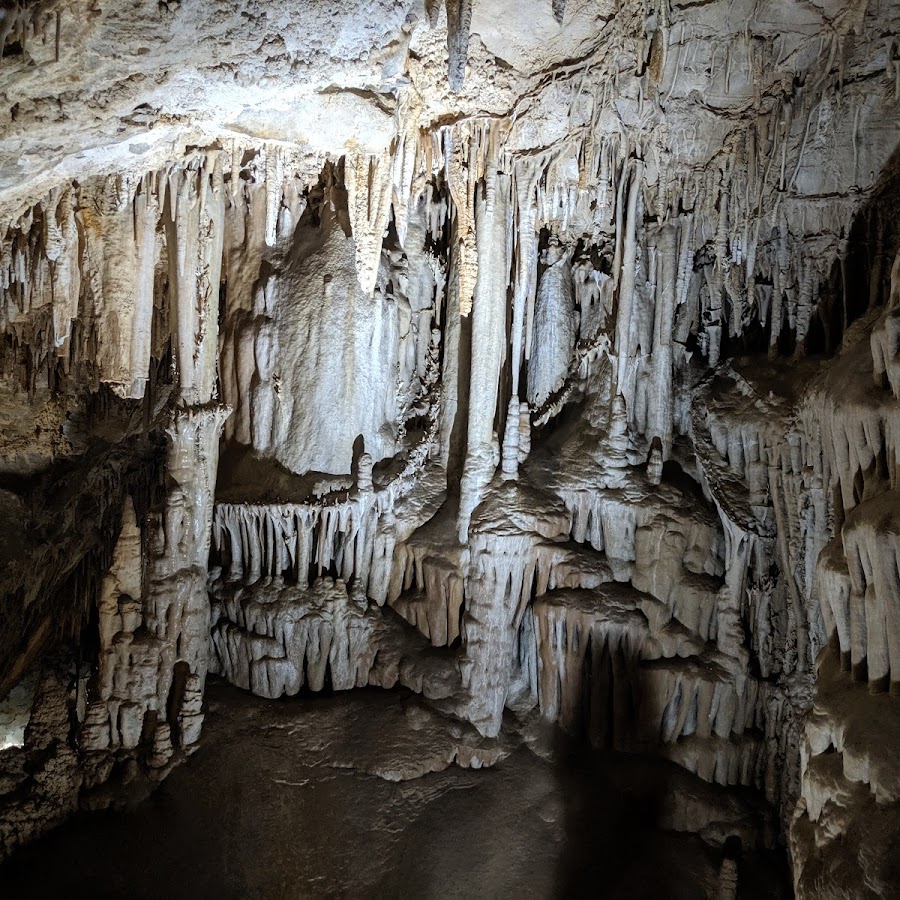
<point x="553" y="337"/>
<point x="459" y="21"/>
<point x="195" y="233"/>
<point x="626" y="285"/>
<point x="489" y="335"/>
<point x="460" y="159"/>
<point x="368" y="181"/>
<point x="660" y="415"/>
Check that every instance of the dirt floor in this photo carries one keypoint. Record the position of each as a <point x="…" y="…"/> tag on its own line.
<point x="277" y="803"/>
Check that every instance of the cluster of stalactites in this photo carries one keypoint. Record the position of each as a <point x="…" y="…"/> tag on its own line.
<point x="700" y="275"/>
<point x="123" y="257"/>
<point x="738" y="258"/>
<point x="736" y="262"/>
<point x="70" y="255"/>
<point x="289" y="540"/>
<point x="32" y="28"/>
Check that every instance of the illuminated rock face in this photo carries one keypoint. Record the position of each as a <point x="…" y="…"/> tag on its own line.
<point x="544" y="362"/>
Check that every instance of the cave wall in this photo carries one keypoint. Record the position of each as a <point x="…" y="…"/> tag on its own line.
<point x="543" y="363"/>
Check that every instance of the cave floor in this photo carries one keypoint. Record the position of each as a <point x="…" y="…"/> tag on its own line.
<point x="277" y="804"/>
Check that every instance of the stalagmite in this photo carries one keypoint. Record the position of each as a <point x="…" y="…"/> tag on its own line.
<point x="128" y="667"/>
<point x="177" y="612"/>
<point x="511" y="439"/>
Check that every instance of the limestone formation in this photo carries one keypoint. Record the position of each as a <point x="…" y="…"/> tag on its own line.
<point x="540" y="358"/>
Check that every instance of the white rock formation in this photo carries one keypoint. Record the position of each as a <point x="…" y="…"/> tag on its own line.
<point x="567" y="334"/>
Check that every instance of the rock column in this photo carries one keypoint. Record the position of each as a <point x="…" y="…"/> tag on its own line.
<point x="177" y="602"/>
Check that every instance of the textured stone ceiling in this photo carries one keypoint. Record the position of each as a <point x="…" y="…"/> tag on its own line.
<point x="94" y="87"/>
